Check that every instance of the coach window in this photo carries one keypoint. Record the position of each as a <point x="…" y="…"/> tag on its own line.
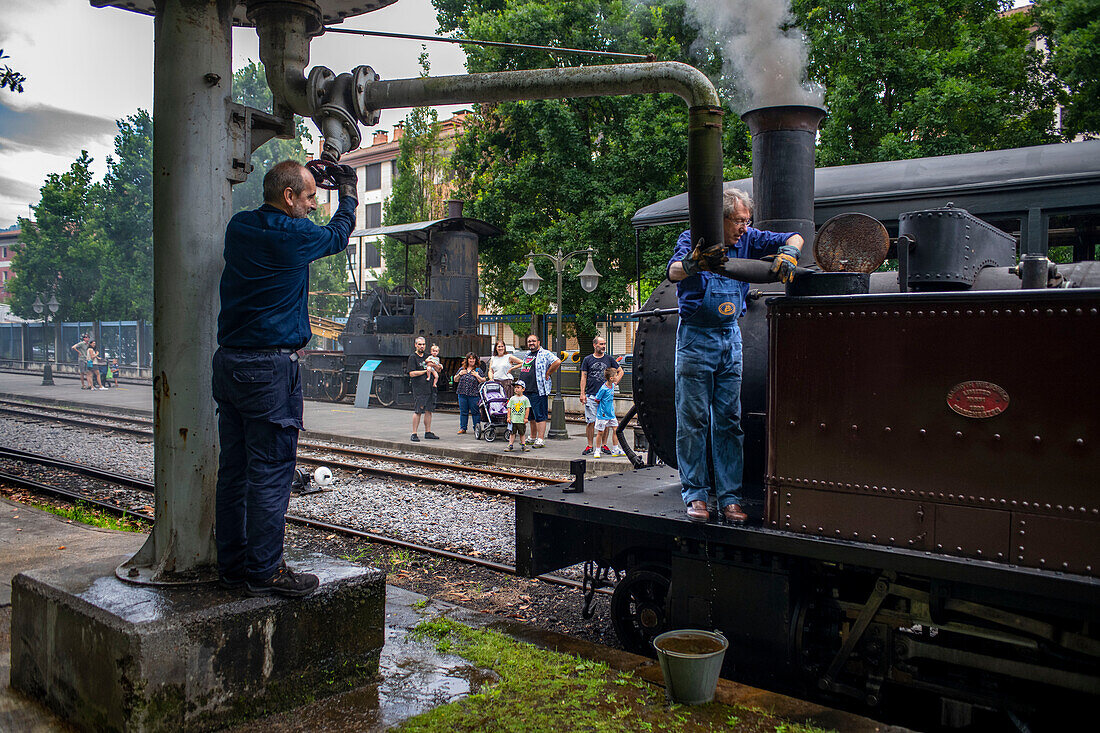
<point x="374" y="177"/>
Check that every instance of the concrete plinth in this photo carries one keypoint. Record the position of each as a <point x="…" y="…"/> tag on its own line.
<point x="111" y="656"/>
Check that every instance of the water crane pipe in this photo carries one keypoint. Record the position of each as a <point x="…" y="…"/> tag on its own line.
<point x="704" y="162"/>
<point x="285" y="28"/>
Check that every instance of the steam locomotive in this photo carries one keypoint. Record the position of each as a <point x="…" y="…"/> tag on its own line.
<point x="384" y="324"/>
<point x="921" y="475"/>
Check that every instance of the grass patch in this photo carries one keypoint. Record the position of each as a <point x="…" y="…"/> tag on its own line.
<point x="85" y="514"/>
<point x="540" y="690"/>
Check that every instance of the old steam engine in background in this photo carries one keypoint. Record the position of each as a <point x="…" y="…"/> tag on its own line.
<point x="384" y="324"/>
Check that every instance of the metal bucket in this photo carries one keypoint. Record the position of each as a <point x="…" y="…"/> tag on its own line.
<point x="691" y="661"/>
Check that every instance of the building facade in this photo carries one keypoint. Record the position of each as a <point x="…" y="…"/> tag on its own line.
<point x="9" y="239"/>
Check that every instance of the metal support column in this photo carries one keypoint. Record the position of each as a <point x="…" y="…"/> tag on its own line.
<point x="191" y="206"/>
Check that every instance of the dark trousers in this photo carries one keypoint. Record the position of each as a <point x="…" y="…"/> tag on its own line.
<point x="259" y="400"/>
<point x="467" y="405"/>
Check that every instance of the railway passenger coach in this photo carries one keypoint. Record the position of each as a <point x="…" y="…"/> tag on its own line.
<point x="921" y="476"/>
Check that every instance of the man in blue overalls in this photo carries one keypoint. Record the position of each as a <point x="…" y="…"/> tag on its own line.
<point x="708" y="353"/>
<point x="261" y="328"/>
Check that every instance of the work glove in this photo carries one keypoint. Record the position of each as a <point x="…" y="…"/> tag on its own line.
<point x="704" y="258"/>
<point x="785" y="262"/>
<point x="346" y="181"/>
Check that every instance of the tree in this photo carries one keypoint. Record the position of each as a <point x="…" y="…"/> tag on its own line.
<point x="570" y="173"/>
<point x="123" y="222"/>
<point x="1071" y="29"/>
<point x="913" y="78"/>
<point x="59" y="253"/>
<point x="9" y="77"/>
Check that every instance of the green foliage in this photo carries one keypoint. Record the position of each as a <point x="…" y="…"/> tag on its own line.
<point x="570" y="173"/>
<point x="250" y="88"/>
<point x="1071" y="29"/>
<point x="59" y="252"/>
<point x="123" y="220"/>
<point x="85" y="514"/>
<point x="9" y="77"/>
<point x="912" y="78"/>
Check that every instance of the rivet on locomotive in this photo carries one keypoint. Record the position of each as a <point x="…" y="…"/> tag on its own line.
<point x="384" y="324"/>
<point x="923" y="491"/>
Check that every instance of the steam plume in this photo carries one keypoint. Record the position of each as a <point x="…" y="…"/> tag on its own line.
<point x="763" y="56"/>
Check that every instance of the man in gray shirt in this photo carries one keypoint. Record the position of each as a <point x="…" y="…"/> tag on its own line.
<point x="81" y="348"/>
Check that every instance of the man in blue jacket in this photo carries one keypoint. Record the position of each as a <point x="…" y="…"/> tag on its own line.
<point x="708" y="353"/>
<point x="262" y="326"/>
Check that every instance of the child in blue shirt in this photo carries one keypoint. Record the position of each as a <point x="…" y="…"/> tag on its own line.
<point x="606" y="422"/>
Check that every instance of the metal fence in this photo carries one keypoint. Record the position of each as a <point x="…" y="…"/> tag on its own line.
<point x="30" y="345"/>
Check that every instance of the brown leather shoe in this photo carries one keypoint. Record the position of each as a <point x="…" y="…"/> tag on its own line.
<point x="697" y="511"/>
<point x="733" y="514"/>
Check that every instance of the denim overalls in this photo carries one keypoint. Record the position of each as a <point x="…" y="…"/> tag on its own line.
<point x="708" y="395"/>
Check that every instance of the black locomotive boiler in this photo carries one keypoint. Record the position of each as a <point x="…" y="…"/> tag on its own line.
<point x="384" y="324"/>
<point x="922" y="449"/>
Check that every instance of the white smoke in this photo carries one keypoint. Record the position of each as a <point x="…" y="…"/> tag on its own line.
<point x="764" y="56"/>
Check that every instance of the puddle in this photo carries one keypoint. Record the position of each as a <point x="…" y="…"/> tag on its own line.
<point x="414" y="679"/>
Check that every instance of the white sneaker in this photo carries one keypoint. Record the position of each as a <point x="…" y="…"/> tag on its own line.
<point x="617" y="451"/>
<point x="595" y="456"/>
<point x="539" y="443"/>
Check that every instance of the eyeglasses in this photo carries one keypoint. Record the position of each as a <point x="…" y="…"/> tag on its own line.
<point x="746" y="222"/>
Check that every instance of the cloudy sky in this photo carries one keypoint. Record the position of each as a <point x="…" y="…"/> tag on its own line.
<point x="87" y="67"/>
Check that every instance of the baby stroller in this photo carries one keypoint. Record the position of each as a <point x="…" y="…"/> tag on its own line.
<point x="492" y="403"/>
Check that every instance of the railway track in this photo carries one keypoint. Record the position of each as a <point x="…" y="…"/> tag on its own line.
<point x="146" y="487"/>
<point x="367" y="460"/>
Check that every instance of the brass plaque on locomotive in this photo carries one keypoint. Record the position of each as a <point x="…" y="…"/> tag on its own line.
<point x="977" y="399"/>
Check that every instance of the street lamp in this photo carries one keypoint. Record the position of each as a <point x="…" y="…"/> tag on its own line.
<point x="531" y="281"/>
<point x="39" y="308"/>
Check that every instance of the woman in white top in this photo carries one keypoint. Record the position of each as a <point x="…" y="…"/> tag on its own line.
<point x="501" y="364"/>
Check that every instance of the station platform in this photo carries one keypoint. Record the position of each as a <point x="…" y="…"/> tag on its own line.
<point x="414" y="676"/>
<point x="374" y="427"/>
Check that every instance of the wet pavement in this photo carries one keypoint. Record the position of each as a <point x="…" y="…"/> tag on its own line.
<point x="374" y="427"/>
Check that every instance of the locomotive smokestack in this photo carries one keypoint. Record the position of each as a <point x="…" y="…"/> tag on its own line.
<point x="783" y="169"/>
<point x="454" y="208"/>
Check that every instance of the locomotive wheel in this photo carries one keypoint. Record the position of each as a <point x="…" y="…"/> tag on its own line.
<point x="333" y="386"/>
<point x="384" y="392"/>
<point x="638" y="609"/>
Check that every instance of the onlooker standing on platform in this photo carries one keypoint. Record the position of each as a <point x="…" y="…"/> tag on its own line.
<point x="81" y="349"/>
<point x="593" y="367"/>
<point x="256" y="382"/>
<point x="420" y="378"/>
<point x="606" y="422"/>
<point x="501" y="365"/>
<point x="92" y="366"/>
<point x="101" y="367"/>
<point x="519" y="408"/>
<point x="535" y="373"/>
<point x="469" y="378"/>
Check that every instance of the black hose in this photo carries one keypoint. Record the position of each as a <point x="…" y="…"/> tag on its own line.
<point x="630" y="454"/>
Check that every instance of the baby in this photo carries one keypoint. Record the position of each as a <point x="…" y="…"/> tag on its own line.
<point x="435" y="366"/>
